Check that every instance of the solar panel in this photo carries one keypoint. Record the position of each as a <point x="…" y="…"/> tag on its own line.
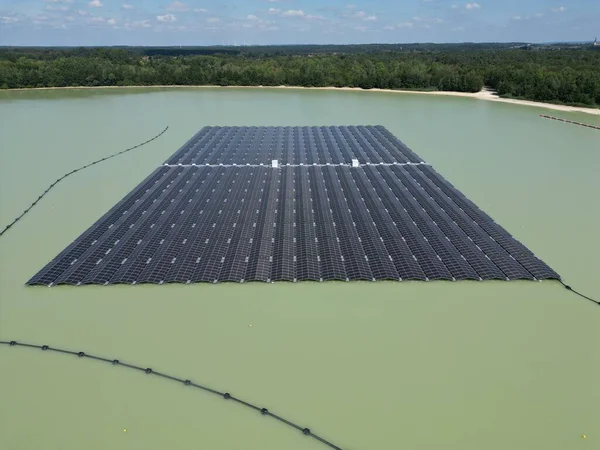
<point x="292" y="204"/>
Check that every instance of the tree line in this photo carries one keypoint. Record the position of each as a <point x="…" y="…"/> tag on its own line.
<point x="568" y="75"/>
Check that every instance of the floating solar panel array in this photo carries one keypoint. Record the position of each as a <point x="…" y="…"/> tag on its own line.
<point x="292" y="145"/>
<point x="221" y="210"/>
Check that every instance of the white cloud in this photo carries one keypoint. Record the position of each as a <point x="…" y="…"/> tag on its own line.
<point x="111" y="22"/>
<point x="126" y="6"/>
<point x="361" y="15"/>
<point x="539" y="14"/>
<point x="256" y="22"/>
<point x="559" y="9"/>
<point x="177" y="6"/>
<point x="97" y="19"/>
<point x="213" y="20"/>
<point x="388" y="27"/>
<point x="427" y="19"/>
<point x="297" y="13"/>
<point x="58" y="1"/>
<point x="517" y="18"/>
<point x="472" y="6"/>
<point x="166" y="18"/>
<point x="8" y="19"/>
<point x="138" y="24"/>
<point x="57" y="8"/>
<point x="95" y="4"/>
<point x="293" y="13"/>
<point x="457" y="29"/>
<point x="40" y="19"/>
<point x="454" y="6"/>
<point x="406" y="25"/>
<point x="201" y="10"/>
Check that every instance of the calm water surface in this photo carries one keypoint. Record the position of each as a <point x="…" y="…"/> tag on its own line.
<point x="453" y="366"/>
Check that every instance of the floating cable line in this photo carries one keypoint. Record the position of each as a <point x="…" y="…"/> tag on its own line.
<point x="569" y="288"/>
<point x="581" y="124"/>
<point x="185" y="382"/>
<point x="58" y="180"/>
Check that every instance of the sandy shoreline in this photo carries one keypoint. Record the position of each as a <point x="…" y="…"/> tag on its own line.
<point x="482" y="95"/>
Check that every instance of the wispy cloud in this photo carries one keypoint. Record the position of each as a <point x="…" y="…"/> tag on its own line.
<point x="137" y="24"/>
<point x="57" y="7"/>
<point x="294" y="13"/>
<point x="177" y="6"/>
<point x="166" y="18"/>
<point x="427" y="19"/>
<point x="362" y="15"/>
<point x="30" y="22"/>
<point x="8" y="19"/>
<point x="258" y="23"/>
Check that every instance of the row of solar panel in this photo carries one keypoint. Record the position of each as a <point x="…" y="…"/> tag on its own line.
<point x="293" y="145"/>
<point x="211" y="224"/>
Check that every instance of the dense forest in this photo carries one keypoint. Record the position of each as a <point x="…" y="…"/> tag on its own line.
<point x="549" y="74"/>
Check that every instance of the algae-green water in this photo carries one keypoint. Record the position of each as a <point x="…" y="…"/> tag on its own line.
<point x="414" y="365"/>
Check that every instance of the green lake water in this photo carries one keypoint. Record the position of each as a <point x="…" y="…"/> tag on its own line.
<point x="414" y="365"/>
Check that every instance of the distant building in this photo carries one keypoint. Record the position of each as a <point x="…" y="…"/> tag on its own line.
<point x="596" y="43"/>
<point x="522" y="47"/>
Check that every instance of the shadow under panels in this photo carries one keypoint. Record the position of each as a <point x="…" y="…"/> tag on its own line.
<point x="199" y="218"/>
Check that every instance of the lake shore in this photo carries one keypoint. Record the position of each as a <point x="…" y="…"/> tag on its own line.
<point x="482" y="95"/>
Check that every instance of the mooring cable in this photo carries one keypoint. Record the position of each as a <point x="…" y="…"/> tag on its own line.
<point x="77" y="170"/>
<point x="581" y="124"/>
<point x="186" y="382"/>
<point x="569" y="288"/>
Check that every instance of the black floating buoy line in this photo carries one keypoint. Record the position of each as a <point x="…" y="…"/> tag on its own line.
<point x="569" y="288"/>
<point x="10" y="225"/>
<point x="581" y="124"/>
<point x="186" y="382"/>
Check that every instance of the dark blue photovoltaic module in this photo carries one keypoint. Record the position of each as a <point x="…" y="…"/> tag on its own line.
<point x="292" y="204"/>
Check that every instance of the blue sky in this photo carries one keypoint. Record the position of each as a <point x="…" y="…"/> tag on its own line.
<point x="252" y="22"/>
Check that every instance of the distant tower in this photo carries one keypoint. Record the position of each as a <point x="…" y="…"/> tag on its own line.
<point x="596" y="43"/>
